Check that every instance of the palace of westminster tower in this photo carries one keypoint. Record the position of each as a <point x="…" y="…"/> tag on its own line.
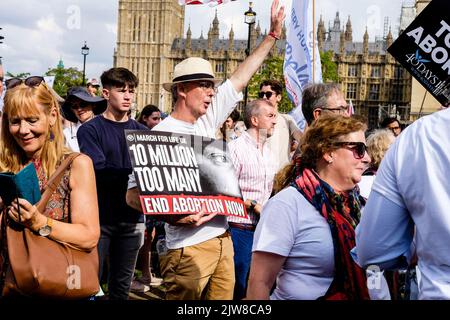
<point x="151" y="41"/>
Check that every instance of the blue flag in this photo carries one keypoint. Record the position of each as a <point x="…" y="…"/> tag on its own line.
<point x="298" y="60"/>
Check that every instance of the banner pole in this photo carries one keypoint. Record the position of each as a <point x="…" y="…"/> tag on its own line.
<point x="314" y="40"/>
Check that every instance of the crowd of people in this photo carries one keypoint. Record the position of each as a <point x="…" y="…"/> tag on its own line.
<point x="324" y="206"/>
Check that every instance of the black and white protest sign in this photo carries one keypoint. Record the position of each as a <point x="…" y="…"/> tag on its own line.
<point x="183" y="174"/>
<point x="424" y="49"/>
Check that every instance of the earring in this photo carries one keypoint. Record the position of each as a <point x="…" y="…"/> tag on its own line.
<point x="330" y="161"/>
<point x="51" y="136"/>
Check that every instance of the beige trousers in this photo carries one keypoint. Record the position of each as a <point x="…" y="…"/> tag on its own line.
<point x="204" y="271"/>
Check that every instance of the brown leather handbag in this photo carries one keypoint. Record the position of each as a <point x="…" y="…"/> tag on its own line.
<point x="37" y="266"/>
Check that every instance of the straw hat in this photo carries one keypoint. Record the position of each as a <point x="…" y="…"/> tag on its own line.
<point x="192" y="69"/>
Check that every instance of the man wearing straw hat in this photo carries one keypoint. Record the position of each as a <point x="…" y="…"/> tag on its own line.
<point x="199" y="263"/>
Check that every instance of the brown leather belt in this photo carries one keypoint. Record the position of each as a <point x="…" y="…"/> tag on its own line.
<point x="242" y="226"/>
<point x="225" y="234"/>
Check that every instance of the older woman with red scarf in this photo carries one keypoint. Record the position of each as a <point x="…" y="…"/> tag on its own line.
<point x="307" y="230"/>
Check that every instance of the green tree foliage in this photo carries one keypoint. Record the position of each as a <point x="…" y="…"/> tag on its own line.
<point x="329" y="67"/>
<point x="273" y="69"/>
<point x="65" y="78"/>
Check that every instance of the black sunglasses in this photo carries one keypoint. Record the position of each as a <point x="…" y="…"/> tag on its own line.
<point x="33" y="81"/>
<point x="359" y="148"/>
<point x="268" y="94"/>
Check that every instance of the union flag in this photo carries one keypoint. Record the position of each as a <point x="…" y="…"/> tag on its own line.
<point x="210" y="2"/>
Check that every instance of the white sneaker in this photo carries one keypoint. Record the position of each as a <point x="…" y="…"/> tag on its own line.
<point x="156" y="281"/>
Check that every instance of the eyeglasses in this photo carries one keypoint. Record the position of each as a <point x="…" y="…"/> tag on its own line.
<point x="205" y="85"/>
<point x="359" y="148"/>
<point x="33" y="81"/>
<point x="338" y="110"/>
<point x="268" y="94"/>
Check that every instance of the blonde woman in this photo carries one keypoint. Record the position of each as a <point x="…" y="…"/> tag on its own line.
<point x="378" y="142"/>
<point x="32" y="133"/>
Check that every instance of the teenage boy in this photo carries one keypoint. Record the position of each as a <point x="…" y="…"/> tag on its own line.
<point x="103" y="139"/>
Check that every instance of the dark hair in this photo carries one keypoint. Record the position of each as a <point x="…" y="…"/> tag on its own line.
<point x="147" y="111"/>
<point x="316" y="96"/>
<point x="119" y="78"/>
<point x="234" y="115"/>
<point x="387" y="121"/>
<point x="274" y="85"/>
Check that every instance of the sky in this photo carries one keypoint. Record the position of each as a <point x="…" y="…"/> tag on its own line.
<point x="38" y="33"/>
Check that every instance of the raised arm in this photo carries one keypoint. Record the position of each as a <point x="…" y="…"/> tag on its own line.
<point x="251" y="64"/>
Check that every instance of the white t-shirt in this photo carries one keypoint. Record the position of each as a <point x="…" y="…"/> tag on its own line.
<point x="280" y="142"/>
<point x="222" y="104"/>
<point x="414" y="175"/>
<point x="365" y="185"/>
<point x="70" y="133"/>
<point x="307" y="243"/>
<point x="291" y="227"/>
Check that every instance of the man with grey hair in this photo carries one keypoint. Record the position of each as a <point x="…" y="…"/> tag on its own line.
<point x="322" y="97"/>
<point x="255" y="169"/>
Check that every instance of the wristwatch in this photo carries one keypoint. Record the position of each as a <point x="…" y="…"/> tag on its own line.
<point x="253" y="204"/>
<point x="47" y="229"/>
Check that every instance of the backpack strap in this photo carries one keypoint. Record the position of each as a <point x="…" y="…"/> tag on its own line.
<point x="54" y="181"/>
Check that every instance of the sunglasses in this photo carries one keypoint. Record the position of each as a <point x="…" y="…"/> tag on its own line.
<point x="359" y="148"/>
<point x="206" y="85"/>
<point x="33" y="81"/>
<point x="268" y="94"/>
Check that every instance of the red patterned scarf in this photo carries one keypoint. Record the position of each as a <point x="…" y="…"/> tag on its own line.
<point x="342" y="212"/>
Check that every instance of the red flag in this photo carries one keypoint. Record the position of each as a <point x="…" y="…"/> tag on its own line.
<point x="211" y="2"/>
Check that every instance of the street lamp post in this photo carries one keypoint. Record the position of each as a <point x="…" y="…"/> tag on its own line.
<point x="250" y="18"/>
<point x="84" y="52"/>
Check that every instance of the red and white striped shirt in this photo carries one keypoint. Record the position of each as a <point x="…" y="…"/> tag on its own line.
<point x="255" y="171"/>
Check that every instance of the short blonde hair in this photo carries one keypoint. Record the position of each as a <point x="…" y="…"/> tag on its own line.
<point x="23" y="101"/>
<point x="378" y="142"/>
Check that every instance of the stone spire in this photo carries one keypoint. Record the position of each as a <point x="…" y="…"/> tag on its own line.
<point x="342" y="43"/>
<point x="231" y="38"/>
<point x="253" y="37"/>
<point x="321" y="33"/>
<point x="389" y="38"/>
<point x="210" y="38"/>
<point x="189" y="38"/>
<point x="366" y="43"/>
<point x="258" y="30"/>
<point x="337" y="23"/>
<point x="215" y="27"/>
<point x="348" y="31"/>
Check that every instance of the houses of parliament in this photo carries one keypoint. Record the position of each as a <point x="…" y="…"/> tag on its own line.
<point x="151" y="41"/>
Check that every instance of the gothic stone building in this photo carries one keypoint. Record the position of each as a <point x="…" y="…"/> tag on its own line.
<point x="150" y="42"/>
